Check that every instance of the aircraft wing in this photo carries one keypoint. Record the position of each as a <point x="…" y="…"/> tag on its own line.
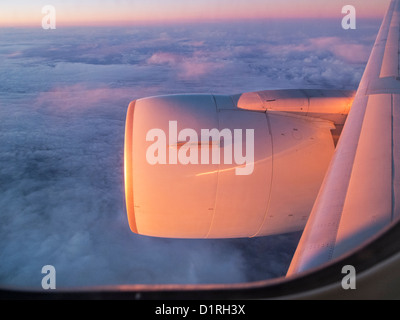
<point x="360" y="194"/>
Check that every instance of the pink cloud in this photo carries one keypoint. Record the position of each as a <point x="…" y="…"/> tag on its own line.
<point x="351" y="52"/>
<point x="191" y="67"/>
<point x="165" y="58"/>
<point x="194" y="68"/>
<point x="79" y="97"/>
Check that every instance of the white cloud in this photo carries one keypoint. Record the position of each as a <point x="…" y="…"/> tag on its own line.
<point x="63" y="103"/>
<point x="186" y="67"/>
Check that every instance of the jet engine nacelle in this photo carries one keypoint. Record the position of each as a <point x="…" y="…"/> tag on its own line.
<point x="198" y="166"/>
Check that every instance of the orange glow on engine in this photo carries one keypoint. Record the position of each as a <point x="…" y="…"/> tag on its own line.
<point x="128" y="167"/>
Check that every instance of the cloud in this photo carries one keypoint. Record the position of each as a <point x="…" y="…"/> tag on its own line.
<point x="186" y="68"/>
<point x="165" y="58"/>
<point x="80" y="98"/>
<point x="63" y="102"/>
<point x="350" y="51"/>
<point x="62" y="203"/>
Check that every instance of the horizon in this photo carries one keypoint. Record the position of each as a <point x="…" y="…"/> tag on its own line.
<point x="23" y="13"/>
<point x="192" y="23"/>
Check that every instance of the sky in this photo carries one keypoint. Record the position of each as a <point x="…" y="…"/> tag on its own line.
<point x="64" y="94"/>
<point x="123" y="12"/>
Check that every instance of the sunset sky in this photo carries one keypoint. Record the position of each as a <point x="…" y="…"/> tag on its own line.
<point x="127" y="12"/>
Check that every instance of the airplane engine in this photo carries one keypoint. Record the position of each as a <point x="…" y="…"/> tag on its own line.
<point x="198" y="166"/>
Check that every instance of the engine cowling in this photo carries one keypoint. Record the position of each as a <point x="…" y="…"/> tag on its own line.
<point x="197" y="166"/>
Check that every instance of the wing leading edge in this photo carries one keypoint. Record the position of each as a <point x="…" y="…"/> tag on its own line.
<point x="360" y="195"/>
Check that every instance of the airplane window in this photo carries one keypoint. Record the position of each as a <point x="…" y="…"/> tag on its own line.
<point x="66" y="81"/>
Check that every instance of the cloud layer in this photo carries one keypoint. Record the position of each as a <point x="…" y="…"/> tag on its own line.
<point x="63" y="101"/>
